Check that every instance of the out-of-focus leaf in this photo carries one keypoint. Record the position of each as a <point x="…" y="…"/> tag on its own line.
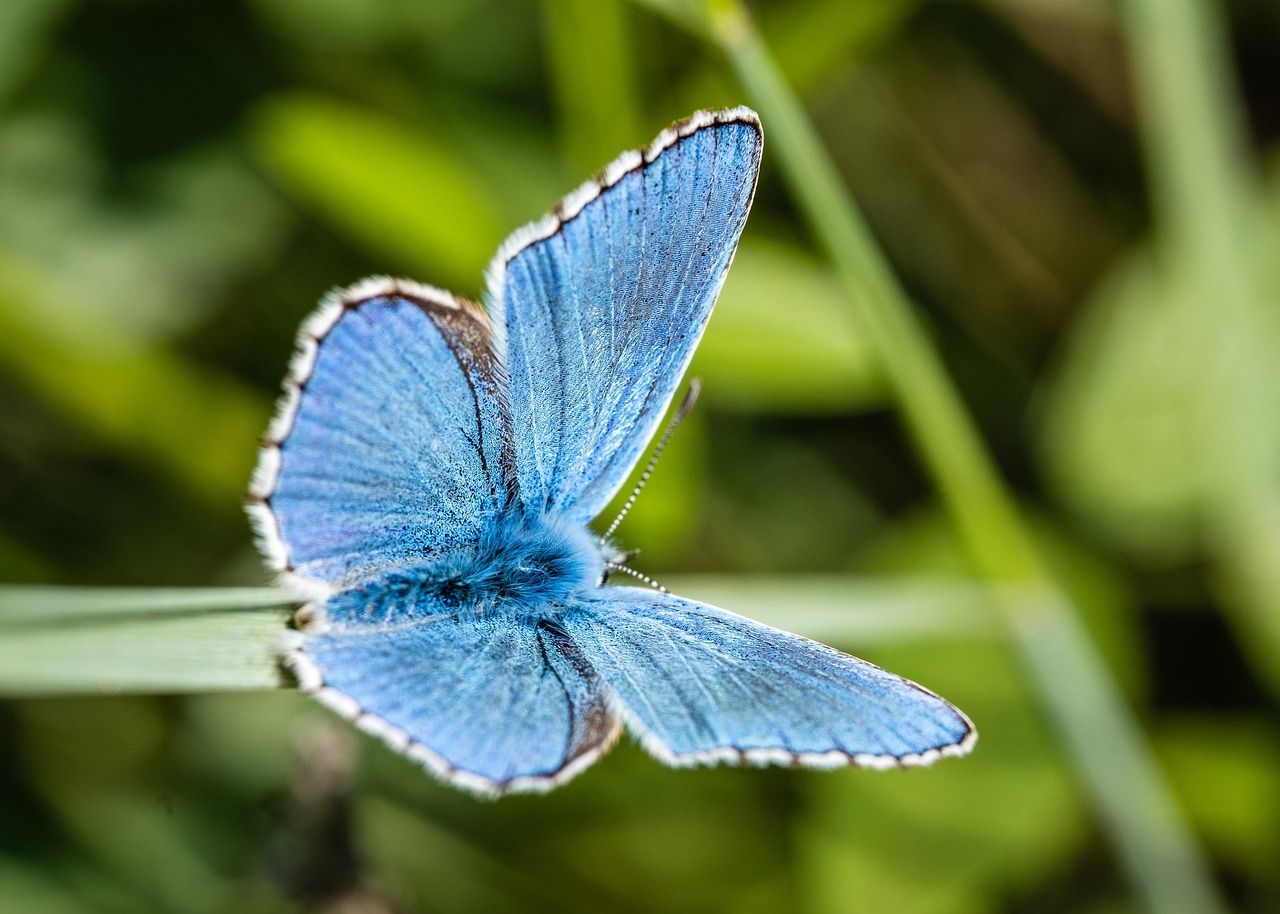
<point x="30" y="889"/>
<point x="967" y="831"/>
<point x="1119" y="416"/>
<point x="926" y="544"/>
<point x="136" y="837"/>
<point x="1131" y="430"/>
<point x="24" y="27"/>
<point x="589" y="53"/>
<point x="782" y="339"/>
<point x="197" y="424"/>
<point x="1225" y="773"/>
<point x="402" y="192"/>
<point x="688" y="14"/>
<point x="112" y="276"/>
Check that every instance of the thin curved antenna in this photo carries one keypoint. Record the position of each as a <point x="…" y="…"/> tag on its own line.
<point x="617" y="566"/>
<point x="686" y="405"/>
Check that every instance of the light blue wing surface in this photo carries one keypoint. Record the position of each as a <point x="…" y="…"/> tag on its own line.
<point x="602" y="304"/>
<point x="391" y="445"/>
<point x="700" y="684"/>
<point x="493" y="702"/>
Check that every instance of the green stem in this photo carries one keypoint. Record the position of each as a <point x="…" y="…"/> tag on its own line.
<point x="1114" y="762"/>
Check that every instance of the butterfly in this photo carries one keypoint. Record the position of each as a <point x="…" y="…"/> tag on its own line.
<point x="430" y="478"/>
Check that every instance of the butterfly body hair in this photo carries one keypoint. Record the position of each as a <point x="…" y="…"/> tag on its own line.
<point x="538" y="564"/>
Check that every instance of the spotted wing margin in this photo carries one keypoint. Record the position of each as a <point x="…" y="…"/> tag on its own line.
<point x="493" y="703"/>
<point x="700" y="685"/>
<point x="391" y="443"/>
<point x="599" y="306"/>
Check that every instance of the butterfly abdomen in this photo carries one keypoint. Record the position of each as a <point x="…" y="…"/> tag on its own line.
<point x="519" y="565"/>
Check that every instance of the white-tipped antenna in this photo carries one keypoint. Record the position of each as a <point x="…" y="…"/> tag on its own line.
<point x="686" y="405"/>
<point x="618" y="566"/>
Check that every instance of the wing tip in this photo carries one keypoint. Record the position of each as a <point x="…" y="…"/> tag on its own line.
<point x="761" y="757"/>
<point x="572" y="203"/>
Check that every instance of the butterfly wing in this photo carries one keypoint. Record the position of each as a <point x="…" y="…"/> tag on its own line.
<point x="390" y="445"/>
<point x="699" y="684"/>
<point x="494" y="702"/>
<point x="599" y="306"/>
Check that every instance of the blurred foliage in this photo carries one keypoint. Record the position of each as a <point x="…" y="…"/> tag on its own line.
<point x="180" y="182"/>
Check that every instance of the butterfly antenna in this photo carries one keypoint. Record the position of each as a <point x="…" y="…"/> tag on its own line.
<point x="617" y="566"/>
<point x="686" y="405"/>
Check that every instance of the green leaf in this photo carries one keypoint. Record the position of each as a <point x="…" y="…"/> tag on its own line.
<point x="590" y="57"/>
<point x="199" y="425"/>
<point x="1224" y="770"/>
<point x="403" y="192"/>
<point x="782" y="339"/>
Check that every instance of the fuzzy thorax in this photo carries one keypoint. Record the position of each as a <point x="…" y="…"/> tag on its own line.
<point x="519" y="565"/>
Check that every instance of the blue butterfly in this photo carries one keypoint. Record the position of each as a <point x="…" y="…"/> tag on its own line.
<point x="429" y="481"/>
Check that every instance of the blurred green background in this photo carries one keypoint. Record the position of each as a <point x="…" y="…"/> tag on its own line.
<point x="180" y="182"/>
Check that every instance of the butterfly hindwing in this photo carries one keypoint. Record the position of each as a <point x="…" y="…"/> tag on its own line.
<point x="599" y="307"/>
<point x="391" y="445"/>
<point x="493" y="702"/>
<point x="700" y="684"/>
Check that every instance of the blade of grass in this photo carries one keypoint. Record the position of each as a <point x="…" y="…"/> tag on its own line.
<point x="28" y="605"/>
<point x="60" y="640"/>
<point x="1114" y="762"/>
<point x="853" y="612"/>
<point x="71" y="640"/>
<point x="589" y="54"/>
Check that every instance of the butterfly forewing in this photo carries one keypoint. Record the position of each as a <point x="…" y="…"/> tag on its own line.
<point x="599" y="308"/>
<point x="391" y="444"/>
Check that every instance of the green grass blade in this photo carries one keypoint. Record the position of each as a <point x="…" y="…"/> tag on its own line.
<point x="591" y="62"/>
<point x="59" y="640"/>
<point x="23" y="605"/>
<point x="62" y="640"/>
<point x="1162" y="859"/>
